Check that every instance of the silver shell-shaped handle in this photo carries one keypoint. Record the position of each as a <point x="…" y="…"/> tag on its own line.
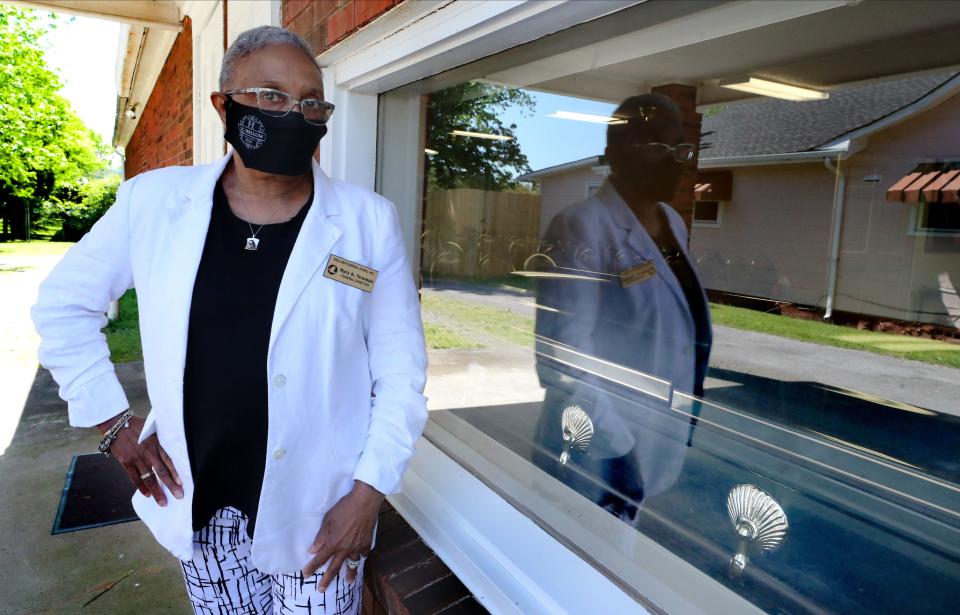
<point x="577" y="431"/>
<point x="758" y="520"/>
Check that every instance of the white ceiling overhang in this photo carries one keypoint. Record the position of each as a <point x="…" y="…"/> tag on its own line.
<point x="819" y="45"/>
<point x="152" y="28"/>
<point x="162" y="14"/>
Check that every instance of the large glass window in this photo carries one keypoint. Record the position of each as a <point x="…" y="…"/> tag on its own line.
<point x="773" y="399"/>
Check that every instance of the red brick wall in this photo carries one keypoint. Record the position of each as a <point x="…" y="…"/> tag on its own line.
<point x="326" y="22"/>
<point x="686" y="98"/>
<point x="164" y="134"/>
<point x="403" y="576"/>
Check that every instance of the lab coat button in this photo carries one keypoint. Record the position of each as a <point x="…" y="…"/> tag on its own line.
<point x="279" y="380"/>
<point x="277" y="454"/>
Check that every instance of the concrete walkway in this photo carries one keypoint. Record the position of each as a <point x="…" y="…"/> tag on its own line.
<point x="58" y="574"/>
<point x="20" y="276"/>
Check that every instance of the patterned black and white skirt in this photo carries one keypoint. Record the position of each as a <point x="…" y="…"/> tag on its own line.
<point x="221" y="580"/>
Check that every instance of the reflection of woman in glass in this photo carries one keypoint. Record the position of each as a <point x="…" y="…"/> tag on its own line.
<point x="624" y="325"/>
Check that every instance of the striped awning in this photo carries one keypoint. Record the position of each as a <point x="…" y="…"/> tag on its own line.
<point x="713" y="186"/>
<point x="936" y="186"/>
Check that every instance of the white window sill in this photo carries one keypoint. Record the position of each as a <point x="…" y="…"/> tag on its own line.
<point x="512" y="564"/>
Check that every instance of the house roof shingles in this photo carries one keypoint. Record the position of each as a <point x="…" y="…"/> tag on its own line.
<point x="769" y="126"/>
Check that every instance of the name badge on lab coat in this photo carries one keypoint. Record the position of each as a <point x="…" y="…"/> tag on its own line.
<point x="637" y="274"/>
<point x="350" y="273"/>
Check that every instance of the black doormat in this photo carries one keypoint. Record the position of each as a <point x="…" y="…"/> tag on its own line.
<point x="97" y="493"/>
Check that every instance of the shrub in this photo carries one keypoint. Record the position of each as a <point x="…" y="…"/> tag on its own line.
<point x="95" y="198"/>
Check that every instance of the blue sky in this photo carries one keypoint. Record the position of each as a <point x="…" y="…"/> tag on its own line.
<point x="83" y="51"/>
<point x="549" y="141"/>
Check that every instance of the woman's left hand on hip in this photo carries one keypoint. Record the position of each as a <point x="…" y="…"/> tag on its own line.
<point x="346" y="533"/>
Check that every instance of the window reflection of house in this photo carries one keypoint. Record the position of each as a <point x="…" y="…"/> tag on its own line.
<point x="777" y="225"/>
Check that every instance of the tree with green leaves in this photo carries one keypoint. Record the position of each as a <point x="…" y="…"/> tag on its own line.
<point x="44" y="145"/>
<point x="471" y="162"/>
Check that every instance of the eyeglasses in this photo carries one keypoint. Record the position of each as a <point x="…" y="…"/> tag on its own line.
<point x="277" y="104"/>
<point x="681" y="152"/>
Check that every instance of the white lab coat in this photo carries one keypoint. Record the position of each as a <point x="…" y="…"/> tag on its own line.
<point x="626" y="355"/>
<point x="345" y="368"/>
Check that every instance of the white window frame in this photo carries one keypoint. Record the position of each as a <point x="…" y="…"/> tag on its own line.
<point x="703" y="224"/>
<point x="208" y="143"/>
<point x="916" y="230"/>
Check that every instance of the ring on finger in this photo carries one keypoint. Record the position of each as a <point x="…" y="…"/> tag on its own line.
<point x="146" y="476"/>
<point x="353" y="564"/>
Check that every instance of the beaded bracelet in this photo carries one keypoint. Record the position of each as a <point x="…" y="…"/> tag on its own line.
<point x="111" y="435"/>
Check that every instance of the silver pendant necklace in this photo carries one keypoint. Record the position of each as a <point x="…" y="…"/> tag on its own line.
<point x="253" y="242"/>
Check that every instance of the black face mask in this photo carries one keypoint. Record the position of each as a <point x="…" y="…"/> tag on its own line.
<point x="278" y="145"/>
<point x="657" y="180"/>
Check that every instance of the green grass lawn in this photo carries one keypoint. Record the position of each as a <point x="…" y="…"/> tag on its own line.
<point x="33" y="248"/>
<point x="487" y="320"/>
<point x="518" y="330"/>
<point x="16" y="250"/>
<point x="45" y="232"/>
<point x="123" y="334"/>
<point x="442" y="338"/>
<point x="13" y="268"/>
<point x="901" y="346"/>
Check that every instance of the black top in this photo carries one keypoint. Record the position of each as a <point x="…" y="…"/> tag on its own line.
<point x="679" y="263"/>
<point x="225" y="377"/>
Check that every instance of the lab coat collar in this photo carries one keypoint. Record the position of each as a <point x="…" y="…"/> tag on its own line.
<point x="618" y="208"/>
<point x="623" y="217"/>
<point x="201" y="188"/>
<point x="637" y="236"/>
<point x="314" y="243"/>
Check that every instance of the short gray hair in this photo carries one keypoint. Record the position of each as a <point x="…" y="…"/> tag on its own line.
<point x="255" y="39"/>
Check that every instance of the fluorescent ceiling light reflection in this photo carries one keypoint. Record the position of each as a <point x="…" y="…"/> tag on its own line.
<point x="431" y="152"/>
<point x="584" y="117"/>
<point x="480" y="135"/>
<point x="753" y="85"/>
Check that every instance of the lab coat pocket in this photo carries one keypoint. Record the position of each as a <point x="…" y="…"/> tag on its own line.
<point x="349" y="437"/>
<point x="347" y="302"/>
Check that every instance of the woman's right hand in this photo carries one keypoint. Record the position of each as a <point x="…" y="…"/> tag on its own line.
<point x="139" y="459"/>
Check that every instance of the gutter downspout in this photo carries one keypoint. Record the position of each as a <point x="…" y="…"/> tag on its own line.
<point x="839" y="191"/>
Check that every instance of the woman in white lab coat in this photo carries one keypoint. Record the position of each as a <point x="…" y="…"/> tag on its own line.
<point x="282" y="346"/>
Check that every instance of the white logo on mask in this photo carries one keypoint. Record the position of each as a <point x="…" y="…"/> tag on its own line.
<point x="252" y="132"/>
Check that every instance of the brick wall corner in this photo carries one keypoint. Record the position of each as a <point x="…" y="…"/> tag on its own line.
<point x="164" y="134"/>
<point x="324" y="23"/>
